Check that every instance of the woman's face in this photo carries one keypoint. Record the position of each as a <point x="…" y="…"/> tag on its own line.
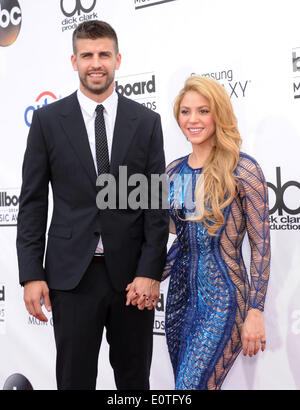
<point x="195" y="119"/>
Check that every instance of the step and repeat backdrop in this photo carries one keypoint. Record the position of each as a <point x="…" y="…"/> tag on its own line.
<point x="253" y="49"/>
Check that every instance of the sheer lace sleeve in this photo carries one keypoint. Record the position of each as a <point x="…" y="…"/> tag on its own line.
<point x="254" y="198"/>
<point x="172" y="254"/>
<point x="174" y="250"/>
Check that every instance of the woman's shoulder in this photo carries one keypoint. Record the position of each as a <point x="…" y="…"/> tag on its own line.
<point x="247" y="159"/>
<point x="175" y="165"/>
<point x="248" y="168"/>
<point x="247" y="163"/>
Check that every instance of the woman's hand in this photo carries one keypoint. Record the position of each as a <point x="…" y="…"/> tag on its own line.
<point x="253" y="333"/>
<point x="143" y="293"/>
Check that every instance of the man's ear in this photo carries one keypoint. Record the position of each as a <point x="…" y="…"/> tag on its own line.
<point x="118" y="59"/>
<point x="74" y="62"/>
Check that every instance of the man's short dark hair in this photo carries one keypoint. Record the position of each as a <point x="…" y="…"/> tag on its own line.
<point x="94" y="29"/>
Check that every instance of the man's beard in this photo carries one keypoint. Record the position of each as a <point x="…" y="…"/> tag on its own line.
<point x="97" y="89"/>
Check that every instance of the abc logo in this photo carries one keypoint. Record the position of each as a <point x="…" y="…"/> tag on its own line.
<point x="17" y="382"/>
<point x="10" y="21"/>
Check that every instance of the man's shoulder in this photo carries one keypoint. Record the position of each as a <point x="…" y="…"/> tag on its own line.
<point x="58" y="106"/>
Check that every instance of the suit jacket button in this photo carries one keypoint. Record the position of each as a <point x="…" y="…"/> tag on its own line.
<point x="97" y="233"/>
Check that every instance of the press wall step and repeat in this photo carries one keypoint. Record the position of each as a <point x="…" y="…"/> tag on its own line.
<point x="253" y="49"/>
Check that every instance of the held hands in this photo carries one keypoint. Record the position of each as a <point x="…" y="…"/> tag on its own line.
<point x="143" y="293"/>
<point x="34" y="291"/>
<point x="253" y="333"/>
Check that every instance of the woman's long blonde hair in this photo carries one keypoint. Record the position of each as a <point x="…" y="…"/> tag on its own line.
<point x="220" y="185"/>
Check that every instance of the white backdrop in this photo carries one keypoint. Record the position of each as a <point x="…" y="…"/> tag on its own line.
<point x="252" y="47"/>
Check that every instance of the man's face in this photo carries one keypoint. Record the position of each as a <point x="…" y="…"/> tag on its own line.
<point x="96" y="62"/>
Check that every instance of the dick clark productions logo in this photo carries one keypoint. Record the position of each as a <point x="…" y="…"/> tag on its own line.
<point x="10" y="21"/>
<point x="77" y="7"/>
<point x="289" y="219"/>
<point x="80" y="8"/>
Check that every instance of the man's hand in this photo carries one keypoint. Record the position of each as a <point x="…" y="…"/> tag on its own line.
<point x="143" y="292"/>
<point x="34" y="290"/>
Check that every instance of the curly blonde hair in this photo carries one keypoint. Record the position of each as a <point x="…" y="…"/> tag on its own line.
<point x="220" y="183"/>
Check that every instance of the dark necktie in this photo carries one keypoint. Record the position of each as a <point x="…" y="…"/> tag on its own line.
<point x="102" y="156"/>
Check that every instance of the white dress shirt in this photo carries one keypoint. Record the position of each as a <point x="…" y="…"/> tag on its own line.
<point x="88" y="108"/>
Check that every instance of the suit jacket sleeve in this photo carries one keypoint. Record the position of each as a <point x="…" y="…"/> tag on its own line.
<point x="156" y="221"/>
<point x="33" y="205"/>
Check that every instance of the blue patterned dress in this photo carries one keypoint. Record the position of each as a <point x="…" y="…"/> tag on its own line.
<point x="209" y="291"/>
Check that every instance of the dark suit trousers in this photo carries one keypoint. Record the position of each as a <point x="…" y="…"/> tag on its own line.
<point x="79" y="317"/>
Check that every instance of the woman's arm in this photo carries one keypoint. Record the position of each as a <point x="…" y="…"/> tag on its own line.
<point x="254" y="195"/>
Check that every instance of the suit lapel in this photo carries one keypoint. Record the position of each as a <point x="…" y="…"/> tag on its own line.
<point x="125" y="126"/>
<point x="73" y="124"/>
<point x="74" y="127"/>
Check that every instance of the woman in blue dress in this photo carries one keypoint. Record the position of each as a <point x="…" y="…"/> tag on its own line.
<point x="213" y="310"/>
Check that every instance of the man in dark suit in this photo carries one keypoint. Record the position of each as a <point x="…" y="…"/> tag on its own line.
<point x="92" y="254"/>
